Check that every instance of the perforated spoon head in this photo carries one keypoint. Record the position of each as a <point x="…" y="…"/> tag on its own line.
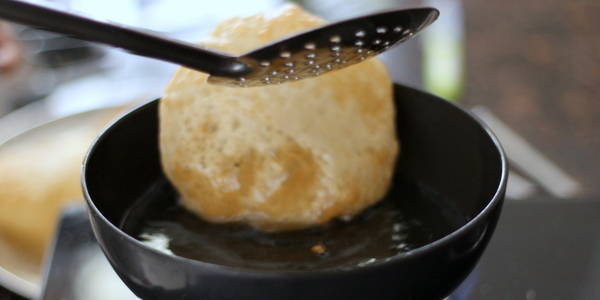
<point x="328" y="48"/>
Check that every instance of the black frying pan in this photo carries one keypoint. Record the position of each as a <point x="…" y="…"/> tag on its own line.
<point x="442" y="145"/>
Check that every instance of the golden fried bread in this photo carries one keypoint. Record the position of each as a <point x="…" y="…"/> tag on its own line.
<point x="39" y="175"/>
<point x="278" y="157"/>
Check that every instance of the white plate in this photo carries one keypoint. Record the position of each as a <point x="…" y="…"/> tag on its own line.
<point x="17" y="273"/>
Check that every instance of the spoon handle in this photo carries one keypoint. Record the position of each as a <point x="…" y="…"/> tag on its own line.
<point x="136" y="41"/>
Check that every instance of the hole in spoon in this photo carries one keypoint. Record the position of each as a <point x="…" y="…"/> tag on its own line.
<point x="310" y="46"/>
<point x="381" y="30"/>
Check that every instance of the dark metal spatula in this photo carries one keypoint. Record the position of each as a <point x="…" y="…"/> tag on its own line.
<point x="307" y="54"/>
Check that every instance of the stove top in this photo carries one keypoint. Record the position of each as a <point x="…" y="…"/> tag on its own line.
<point x="541" y="250"/>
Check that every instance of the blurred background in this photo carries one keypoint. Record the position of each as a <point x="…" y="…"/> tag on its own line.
<point x="529" y="69"/>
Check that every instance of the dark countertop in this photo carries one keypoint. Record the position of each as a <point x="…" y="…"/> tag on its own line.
<point x="540" y="250"/>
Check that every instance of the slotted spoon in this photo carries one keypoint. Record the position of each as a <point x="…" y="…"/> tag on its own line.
<point x="306" y="54"/>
